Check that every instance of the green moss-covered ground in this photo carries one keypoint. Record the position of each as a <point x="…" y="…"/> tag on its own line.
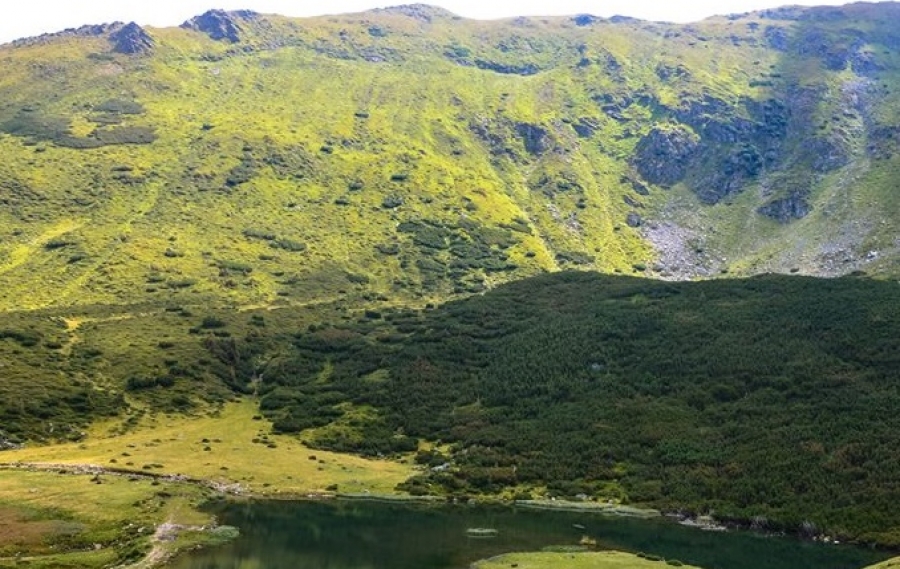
<point x="576" y="560"/>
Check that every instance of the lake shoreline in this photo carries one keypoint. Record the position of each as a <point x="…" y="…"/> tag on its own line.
<point x="237" y="493"/>
<point x="335" y="519"/>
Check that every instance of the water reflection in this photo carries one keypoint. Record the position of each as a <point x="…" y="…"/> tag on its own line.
<point x="372" y="535"/>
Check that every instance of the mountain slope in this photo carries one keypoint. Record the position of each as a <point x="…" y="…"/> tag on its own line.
<point x="407" y="152"/>
<point x="768" y="398"/>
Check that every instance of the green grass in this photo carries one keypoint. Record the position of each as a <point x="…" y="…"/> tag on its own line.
<point x="306" y="134"/>
<point x="57" y="520"/>
<point x="576" y="560"/>
<point x="54" y="519"/>
<point x="231" y="446"/>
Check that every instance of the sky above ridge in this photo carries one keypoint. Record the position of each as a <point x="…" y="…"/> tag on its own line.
<point x="34" y="17"/>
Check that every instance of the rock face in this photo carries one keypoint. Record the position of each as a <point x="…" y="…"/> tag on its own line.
<point x="663" y="156"/>
<point x="93" y="30"/>
<point x="717" y="147"/>
<point x="535" y="138"/>
<point x="131" y="39"/>
<point x="586" y="19"/>
<point x="828" y="154"/>
<point x="787" y="209"/>
<point x="219" y="24"/>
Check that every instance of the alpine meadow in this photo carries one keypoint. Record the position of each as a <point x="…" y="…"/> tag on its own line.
<point x="603" y="263"/>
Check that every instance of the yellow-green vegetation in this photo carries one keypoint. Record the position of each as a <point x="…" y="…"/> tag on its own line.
<point x="889" y="564"/>
<point x="56" y="510"/>
<point x="232" y="446"/>
<point x="577" y="560"/>
<point x="279" y="168"/>
<point x="86" y="520"/>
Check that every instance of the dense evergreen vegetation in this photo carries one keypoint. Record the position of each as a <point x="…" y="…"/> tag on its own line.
<point x="772" y="399"/>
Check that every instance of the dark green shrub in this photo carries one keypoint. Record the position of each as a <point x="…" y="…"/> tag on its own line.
<point x="139" y="383"/>
<point x="25" y="338"/>
<point x="392" y="202"/>
<point x="58" y="243"/>
<point x="212" y="322"/>
<point x="36" y="125"/>
<point x="120" y="106"/>
<point x="235" y="267"/>
<point x="181" y="283"/>
<point x="290" y="245"/>
<point x="253" y="233"/>
<point x="388" y="248"/>
<point x="124" y="135"/>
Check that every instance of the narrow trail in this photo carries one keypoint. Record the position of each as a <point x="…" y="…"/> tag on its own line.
<point x="20" y="255"/>
<point x="166" y="533"/>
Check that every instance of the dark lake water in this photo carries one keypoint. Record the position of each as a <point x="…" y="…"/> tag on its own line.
<point x="376" y="535"/>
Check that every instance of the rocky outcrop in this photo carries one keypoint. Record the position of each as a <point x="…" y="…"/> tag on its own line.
<point x="864" y="63"/>
<point x="92" y="30"/>
<point x="777" y="38"/>
<point x="667" y="72"/>
<point x="131" y="39"/>
<point x="586" y="20"/>
<point x="422" y="12"/>
<point x="714" y="120"/>
<point x="788" y="209"/>
<point x="220" y="25"/>
<point x="639" y="188"/>
<point x="585" y="127"/>
<point x="827" y="154"/>
<point x="728" y="146"/>
<point x="535" y="138"/>
<point x="664" y="155"/>
<point x="771" y="116"/>
<point x="884" y="141"/>
<point x="730" y="175"/>
<point x="8" y="444"/>
<point x="835" y="53"/>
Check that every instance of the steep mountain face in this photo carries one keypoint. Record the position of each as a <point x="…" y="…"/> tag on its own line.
<point x="408" y="153"/>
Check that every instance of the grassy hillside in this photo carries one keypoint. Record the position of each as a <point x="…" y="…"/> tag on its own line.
<point x="413" y="154"/>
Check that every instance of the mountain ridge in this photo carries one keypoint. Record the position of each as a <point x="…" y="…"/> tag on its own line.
<point x="460" y="153"/>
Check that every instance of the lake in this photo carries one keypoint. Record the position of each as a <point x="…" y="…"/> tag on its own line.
<point x="356" y="534"/>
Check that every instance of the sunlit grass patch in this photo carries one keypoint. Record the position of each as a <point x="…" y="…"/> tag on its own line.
<point x="233" y="446"/>
<point x="577" y="560"/>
